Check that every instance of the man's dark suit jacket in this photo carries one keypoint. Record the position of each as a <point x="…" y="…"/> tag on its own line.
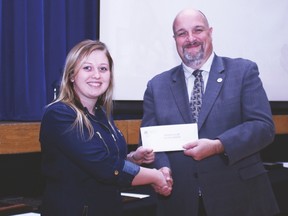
<point x="235" y="110"/>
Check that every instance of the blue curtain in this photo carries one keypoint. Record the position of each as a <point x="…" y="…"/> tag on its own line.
<point x="35" y="37"/>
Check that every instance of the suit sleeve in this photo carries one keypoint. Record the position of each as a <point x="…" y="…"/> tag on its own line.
<point x="256" y="129"/>
<point x="149" y="119"/>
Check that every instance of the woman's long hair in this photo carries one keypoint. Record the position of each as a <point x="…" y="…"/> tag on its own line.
<point x="67" y="94"/>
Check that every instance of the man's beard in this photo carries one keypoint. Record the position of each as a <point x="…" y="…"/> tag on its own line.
<point x="193" y="60"/>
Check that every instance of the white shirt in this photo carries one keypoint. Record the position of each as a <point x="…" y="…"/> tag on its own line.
<point x="189" y="77"/>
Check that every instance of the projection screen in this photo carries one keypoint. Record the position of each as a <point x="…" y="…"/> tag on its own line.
<point x="139" y="36"/>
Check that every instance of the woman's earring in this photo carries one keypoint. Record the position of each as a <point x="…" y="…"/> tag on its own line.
<point x="72" y="80"/>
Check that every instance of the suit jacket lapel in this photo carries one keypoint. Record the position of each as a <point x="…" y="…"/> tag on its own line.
<point x="215" y="82"/>
<point x="179" y="91"/>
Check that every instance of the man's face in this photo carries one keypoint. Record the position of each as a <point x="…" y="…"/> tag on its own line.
<point x="193" y="38"/>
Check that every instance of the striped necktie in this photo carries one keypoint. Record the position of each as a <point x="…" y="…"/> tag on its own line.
<point x="196" y="96"/>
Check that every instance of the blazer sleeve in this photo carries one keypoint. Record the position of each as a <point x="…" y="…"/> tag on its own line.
<point x="60" y="140"/>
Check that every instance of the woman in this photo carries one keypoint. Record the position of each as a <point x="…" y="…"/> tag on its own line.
<point x="84" y="154"/>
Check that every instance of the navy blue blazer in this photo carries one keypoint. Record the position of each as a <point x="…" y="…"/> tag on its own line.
<point x="83" y="178"/>
<point x="235" y="110"/>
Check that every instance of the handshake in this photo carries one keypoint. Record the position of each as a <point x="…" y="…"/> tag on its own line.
<point x="164" y="185"/>
<point x="161" y="180"/>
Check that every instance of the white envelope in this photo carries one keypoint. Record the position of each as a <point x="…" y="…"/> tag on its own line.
<point x="168" y="137"/>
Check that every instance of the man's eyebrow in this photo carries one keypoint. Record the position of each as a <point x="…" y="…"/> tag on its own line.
<point x="199" y="26"/>
<point x="180" y="30"/>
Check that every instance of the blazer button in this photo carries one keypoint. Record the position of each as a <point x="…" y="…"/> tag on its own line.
<point x="116" y="172"/>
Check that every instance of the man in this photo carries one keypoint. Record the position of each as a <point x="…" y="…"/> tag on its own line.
<point x="221" y="173"/>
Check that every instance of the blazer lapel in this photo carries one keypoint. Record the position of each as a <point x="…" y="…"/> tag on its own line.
<point x="215" y="82"/>
<point x="179" y="91"/>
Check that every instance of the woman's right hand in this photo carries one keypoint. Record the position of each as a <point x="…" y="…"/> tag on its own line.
<point x="163" y="183"/>
<point x="160" y="180"/>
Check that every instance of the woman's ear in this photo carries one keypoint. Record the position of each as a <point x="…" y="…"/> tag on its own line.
<point x="72" y="78"/>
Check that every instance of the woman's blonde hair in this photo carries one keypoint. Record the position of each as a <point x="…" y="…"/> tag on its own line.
<point x="67" y="94"/>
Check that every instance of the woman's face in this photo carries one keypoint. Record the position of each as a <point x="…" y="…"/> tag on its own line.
<point x="92" y="78"/>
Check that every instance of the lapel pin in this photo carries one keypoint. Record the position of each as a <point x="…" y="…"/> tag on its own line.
<point x="219" y="80"/>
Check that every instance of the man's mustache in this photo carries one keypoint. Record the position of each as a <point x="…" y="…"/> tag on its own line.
<point x="192" y="44"/>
